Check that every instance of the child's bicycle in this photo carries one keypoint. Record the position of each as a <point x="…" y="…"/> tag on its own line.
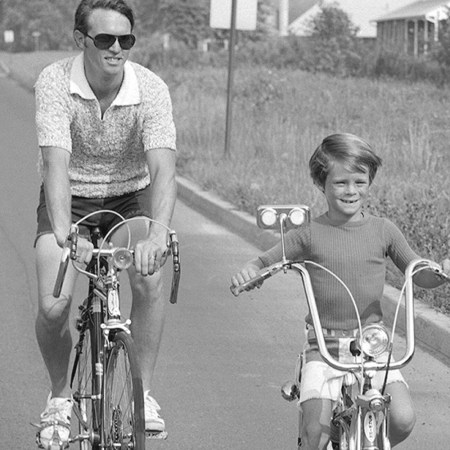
<point x="361" y="417"/>
<point x="106" y="376"/>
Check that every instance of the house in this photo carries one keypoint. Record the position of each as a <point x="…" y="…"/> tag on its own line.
<point x="412" y="29"/>
<point x="285" y="11"/>
<point x="361" y="12"/>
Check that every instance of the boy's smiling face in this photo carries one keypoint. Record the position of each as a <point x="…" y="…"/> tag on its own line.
<point x="345" y="190"/>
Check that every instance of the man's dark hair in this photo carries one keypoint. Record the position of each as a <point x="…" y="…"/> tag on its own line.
<point x="87" y="6"/>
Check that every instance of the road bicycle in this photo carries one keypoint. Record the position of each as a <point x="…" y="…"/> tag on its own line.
<point x="360" y="419"/>
<point x="106" y="375"/>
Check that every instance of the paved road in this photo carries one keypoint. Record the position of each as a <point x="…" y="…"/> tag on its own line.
<point x="222" y="360"/>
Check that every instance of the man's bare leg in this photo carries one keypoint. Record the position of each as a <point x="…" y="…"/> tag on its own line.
<point x="147" y="321"/>
<point x="52" y="322"/>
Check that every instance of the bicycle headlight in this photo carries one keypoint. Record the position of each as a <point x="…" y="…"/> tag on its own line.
<point x="375" y="340"/>
<point x="122" y="258"/>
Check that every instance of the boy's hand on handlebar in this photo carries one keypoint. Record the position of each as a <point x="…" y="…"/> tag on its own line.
<point x="446" y="267"/>
<point x="246" y="274"/>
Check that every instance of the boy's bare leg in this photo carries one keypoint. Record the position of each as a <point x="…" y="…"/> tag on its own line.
<point x="316" y="414"/>
<point x="402" y="415"/>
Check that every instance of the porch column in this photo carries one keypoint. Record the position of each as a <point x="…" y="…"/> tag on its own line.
<point x="416" y="38"/>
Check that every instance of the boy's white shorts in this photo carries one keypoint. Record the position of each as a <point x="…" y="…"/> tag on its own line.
<point x="320" y="381"/>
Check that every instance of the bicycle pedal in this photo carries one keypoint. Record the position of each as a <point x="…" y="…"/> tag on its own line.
<point x="55" y="444"/>
<point x="156" y="435"/>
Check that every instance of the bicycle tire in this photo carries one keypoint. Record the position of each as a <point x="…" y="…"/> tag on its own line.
<point x="89" y="386"/>
<point x="123" y="412"/>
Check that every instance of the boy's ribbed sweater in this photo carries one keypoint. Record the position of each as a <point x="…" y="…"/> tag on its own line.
<point x="356" y="252"/>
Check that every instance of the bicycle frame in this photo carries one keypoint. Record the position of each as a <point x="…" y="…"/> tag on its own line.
<point x="362" y="416"/>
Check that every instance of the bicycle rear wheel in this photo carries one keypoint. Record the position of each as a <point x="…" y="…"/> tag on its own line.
<point x="123" y="414"/>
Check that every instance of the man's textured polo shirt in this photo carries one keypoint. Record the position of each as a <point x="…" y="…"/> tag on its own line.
<point x="107" y="153"/>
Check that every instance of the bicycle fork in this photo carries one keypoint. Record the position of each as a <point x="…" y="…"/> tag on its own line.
<point x="373" y="420"/>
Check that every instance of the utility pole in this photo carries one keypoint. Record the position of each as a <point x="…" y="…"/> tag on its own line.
<point x="230" y="79"/>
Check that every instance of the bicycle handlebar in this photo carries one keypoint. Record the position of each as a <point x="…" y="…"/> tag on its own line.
<point x="70" y="249"/>
<point x="262" y="275"/>
<point x="370" y="365"/>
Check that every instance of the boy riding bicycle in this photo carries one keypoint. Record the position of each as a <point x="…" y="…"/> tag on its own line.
<point x="354" y="245"/>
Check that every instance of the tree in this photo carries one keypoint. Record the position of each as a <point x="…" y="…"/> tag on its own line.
<point x="186" y="22"/>
<point x="441" y="51"/>
<point x="53" y="19"/>
<point x="147" y="14"/>
<point x="334" y="43"/>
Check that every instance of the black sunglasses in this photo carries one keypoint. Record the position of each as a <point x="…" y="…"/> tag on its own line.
<point x="104" y="41"/>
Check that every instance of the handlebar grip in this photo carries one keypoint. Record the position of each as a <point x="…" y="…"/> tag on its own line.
<point x="61" y="272"/>
<point x="174" y="250"/>
<point x="236" y="290"/>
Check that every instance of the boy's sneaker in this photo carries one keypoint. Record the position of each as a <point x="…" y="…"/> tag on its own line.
<point x="153" y="422"/>
<point x="55" y="423"/>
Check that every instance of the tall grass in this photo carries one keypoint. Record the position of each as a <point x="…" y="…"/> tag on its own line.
<point x="279" y="118"/>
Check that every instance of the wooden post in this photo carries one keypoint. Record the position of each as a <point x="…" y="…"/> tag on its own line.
<point x="230" y="79"/>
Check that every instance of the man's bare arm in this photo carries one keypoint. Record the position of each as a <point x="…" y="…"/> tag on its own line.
<point x="57" y="190"/>
<point x="149" y="252"/>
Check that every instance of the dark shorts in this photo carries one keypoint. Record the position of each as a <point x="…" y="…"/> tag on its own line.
<point x="128" y="205"/>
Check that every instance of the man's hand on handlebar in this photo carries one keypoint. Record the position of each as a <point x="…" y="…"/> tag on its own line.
<point x="84" y="250"/>
<point x="150" y="254"/>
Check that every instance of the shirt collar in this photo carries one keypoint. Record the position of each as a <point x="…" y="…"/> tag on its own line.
<point x="129" y="91"/>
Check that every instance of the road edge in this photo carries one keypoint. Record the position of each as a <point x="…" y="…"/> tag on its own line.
<point x="432" y="328"/>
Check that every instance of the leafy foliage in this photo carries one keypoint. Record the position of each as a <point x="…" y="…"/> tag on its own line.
<point x="51" y="18"/>
<point x="441" y="51"/>
<point x="187" y="21"/>
<point x="334" y="42"/>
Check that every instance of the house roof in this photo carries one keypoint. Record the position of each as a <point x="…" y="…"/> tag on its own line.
<point x="296" y="7"/>
<point x="418" y="9"/>
<point x="361" y="12"/>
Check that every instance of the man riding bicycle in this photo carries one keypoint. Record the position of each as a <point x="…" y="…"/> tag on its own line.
<point x="107" y="140"/>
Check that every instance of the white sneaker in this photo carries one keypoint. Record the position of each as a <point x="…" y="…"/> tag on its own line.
<point x="153" y="422"/>
<point x="55" y="423"/>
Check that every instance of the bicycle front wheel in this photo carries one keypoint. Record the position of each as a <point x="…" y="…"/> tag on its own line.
<point x="123" y="415"/>
<point x="88" y="389"/>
